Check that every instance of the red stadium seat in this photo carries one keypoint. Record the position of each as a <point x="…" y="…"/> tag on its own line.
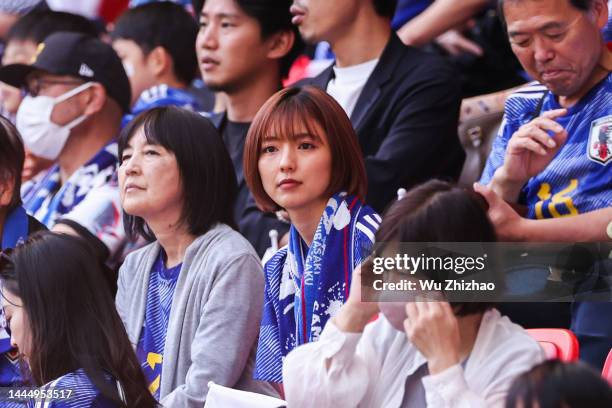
<point x="607" y="369"/>
<point x="557" y="343"/>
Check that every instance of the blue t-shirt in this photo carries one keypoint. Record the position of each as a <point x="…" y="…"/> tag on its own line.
<point x="579" y="178"/>
<point x="162" y="95"/>
<point x="150" y="348"/>
<point x="74" y="390"/>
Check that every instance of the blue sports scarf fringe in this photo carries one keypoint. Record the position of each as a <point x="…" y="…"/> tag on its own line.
<point x="306" y="286"/>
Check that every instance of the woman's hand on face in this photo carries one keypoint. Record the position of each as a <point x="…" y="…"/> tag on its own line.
<point x="355" y="313"/>
<point x="434" y="330"/>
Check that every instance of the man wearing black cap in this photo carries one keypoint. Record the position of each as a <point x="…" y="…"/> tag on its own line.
<point x="77" y="92"/>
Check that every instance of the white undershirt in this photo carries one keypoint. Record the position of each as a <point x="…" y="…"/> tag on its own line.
<point x="349" y="82"/>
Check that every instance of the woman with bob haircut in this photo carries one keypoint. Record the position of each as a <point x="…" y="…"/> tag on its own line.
<point x="302" y="156"/>
<point x="190" y="300"/>
<point x="557" y="384"/>
<point x="418" y="353"/>
<point x="62" y="319"/>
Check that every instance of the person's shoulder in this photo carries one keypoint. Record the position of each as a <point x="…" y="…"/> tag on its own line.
<point x="505" y="334"/>
<point x="414" y="62"/>
<point x="222" y="244"/>
<point x="83" y="392"/>
<point x="135" y="258"/>
<point x="367" y="224"/>
<point x="531" y="91"/>
<point x="524" y="100"/>
<point x="276" y="261"/>
<point x="76" y="381"/>
<point x="318" y="80"/>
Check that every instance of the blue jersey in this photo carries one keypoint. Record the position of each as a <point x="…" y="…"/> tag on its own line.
<point x="162" y="95"/>
<point x="150" y="348"/>
<point x="74" y="390"/>
<point x="579" y="178"/>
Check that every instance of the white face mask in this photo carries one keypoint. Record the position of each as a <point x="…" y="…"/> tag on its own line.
<point x="129" y="69"/>
<point x="40" y="135"/>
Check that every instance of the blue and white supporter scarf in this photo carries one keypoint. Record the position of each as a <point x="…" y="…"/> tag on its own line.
<point x="47" y="200"/>
<point x="306" y="286"/>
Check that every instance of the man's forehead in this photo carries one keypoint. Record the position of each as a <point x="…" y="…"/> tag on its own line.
<point x="221" y="8"/>
<point x="538" y="14"/>
<point x="521" y="9"/>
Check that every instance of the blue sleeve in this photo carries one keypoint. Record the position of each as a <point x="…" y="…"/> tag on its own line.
<point x="498" y="150"/>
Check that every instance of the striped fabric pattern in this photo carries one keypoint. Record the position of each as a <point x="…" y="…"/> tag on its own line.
<point x="150" y="348"/>
<point x="84" y="393"/>
<point x="579" y="178"/>
<point x="332" y="255"/>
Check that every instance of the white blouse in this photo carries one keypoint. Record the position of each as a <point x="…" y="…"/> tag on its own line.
<point x="370" y="369"/>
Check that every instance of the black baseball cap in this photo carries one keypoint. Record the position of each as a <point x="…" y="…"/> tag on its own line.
<point x="78" y="55"/>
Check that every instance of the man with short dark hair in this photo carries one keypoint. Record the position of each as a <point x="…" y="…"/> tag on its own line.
<point x="245" y="48"/>
<point x="77" y="93"/>
<point x="403" y="103"/>
<point x="151" y="42"/>
<point x="554" y="149"/>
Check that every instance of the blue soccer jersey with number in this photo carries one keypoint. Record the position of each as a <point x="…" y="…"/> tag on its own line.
<point x="579" y="178"/>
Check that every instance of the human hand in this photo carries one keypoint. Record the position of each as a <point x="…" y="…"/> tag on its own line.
<point x="531" y="149"/>
<point x="434" y="330"/>
<point x="355" y="313"/>
<point x="509" y="225"/>
<point x="456" y="43"/>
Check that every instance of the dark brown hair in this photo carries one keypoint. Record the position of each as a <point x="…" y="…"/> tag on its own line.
<point x="72" y="316"/>
<point x="438" y="211"/>
<point x="582" y="5"/>
<point x="310" y="107"/>
<point x="554" y="383"/>
<point x="11" y="159"/>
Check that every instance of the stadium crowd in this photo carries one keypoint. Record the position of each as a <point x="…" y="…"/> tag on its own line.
<point x="192" y="192"/>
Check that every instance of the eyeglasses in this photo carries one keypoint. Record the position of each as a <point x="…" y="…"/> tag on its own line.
<point x="35" y="85"/>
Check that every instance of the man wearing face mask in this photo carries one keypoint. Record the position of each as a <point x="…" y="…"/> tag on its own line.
<point x="77" y="92"/>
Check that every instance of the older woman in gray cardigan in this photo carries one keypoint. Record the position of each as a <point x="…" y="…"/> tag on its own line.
<point x="191" y="300"/>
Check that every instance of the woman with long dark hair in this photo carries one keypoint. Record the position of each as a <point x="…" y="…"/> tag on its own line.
<point x="61" y="316"/>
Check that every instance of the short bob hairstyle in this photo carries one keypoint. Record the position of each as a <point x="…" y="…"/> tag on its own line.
<point x="437" y="211"/>
<point x="206" y="170"/>
<point x="282" y="115"/>
<point x="12" y="157"/>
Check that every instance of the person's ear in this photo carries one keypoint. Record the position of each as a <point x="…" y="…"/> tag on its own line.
<point x="158" y="61"/>
<point x="95" y="98"/>
<point x="6" y="190"/>
<point x="280" y="44"/>
<point x="599" y="13"/>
